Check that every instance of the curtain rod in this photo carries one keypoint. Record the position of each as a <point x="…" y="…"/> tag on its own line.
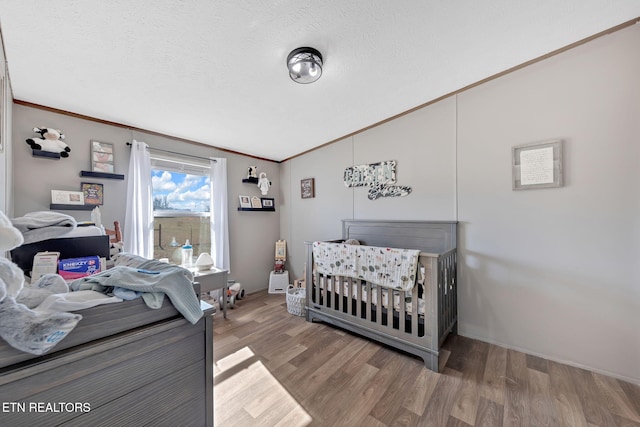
<point x="175" y="152"/>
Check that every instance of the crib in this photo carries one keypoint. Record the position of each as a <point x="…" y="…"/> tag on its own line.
<point x="416" y="320"/>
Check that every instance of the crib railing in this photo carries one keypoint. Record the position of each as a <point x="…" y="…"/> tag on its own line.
<point x="328" y="293"/>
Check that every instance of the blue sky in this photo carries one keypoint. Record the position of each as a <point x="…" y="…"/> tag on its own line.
<point x="183" y="191"/>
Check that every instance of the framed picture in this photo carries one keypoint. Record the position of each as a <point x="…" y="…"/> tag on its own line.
<point x="281" y="250"/>
<point x="67" y="197"/>
<point x="307" y="188"/>
<point x="102" y="157"/>
<point x="256" y="203"/>
<point x="267" y="202"/>
<point x="93" y="193"/>
<point x="537" y="165"/>
<point x="245" y="202"/>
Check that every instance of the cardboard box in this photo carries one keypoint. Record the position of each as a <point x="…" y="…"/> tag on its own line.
<point x="44" y="263"/>
<point x="76" y="268"/>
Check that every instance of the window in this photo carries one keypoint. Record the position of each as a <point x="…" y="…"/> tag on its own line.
<point x="181" y="206"/>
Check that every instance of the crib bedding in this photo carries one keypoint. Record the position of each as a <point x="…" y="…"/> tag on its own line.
<point x="389" y="267"/>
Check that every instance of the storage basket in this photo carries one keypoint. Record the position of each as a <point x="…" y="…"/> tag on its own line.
<point x="295" y="301"/>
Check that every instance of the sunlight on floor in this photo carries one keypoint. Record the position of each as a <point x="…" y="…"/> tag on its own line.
<point x="247" y="394"/>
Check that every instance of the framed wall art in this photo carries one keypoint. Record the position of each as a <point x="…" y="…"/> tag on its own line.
<point x="537" y="165"/>
<point x="245" y="202"/>
<point x="102" y="157"/>
<point x="256" y="203"/>
<point x="93" y="193"/>
<point x="281" y="250"/>
<point x="61" y="197"/>
<point x="307" y="188"/>
<point x="267" y="202"/>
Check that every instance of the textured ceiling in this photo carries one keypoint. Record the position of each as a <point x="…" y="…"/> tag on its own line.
<point x="214" y="71"/>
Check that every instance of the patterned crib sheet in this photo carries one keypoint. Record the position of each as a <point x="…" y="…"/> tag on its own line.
<point x="389" y="267"/>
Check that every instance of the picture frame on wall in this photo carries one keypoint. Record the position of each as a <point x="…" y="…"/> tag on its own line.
<point x="93" y="193"/>
<point x="60" y="197"/>
<point x="245" y="201"/>
<point x="267" y="203"/>
<point x="537" y="165"/>
<point x="256" y="203"/>
<point x="307" y="188"/>
<point x="102" y="157"/>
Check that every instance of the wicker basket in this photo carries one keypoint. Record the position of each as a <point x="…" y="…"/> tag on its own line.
<point x="295" y="301"/>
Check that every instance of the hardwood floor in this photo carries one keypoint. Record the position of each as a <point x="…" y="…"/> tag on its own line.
<point x="276" y="369"/>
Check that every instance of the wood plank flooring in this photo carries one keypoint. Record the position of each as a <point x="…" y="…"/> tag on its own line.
<point x="276" y="369"/>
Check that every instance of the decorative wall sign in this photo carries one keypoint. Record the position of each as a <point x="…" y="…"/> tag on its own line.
<point x="307" y="188"/>
<point x="378" y="177"/>
<point x="93" y="193"/>
<point x="537" y="165"/>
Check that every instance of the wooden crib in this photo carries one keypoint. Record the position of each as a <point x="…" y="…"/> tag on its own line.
<point x="417" y="328"/>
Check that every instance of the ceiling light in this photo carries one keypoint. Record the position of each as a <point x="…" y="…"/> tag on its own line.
<point x="305" y="65"/>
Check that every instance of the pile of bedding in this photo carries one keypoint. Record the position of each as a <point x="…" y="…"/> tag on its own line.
<point x="34" y="317"/>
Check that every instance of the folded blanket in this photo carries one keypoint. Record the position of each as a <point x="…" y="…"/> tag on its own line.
<point x="389" y="267"/>
<point x="43" y="225"/>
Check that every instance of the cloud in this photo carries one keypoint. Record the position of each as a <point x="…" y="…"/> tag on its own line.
<point x="163" y="183"/>
<point x="183" y="191"/>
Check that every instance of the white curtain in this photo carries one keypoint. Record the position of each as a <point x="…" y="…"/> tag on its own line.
<point x="138" y="230"/>
<point x="219" y="219"/>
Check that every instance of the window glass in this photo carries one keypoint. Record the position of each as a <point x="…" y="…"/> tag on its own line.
<point x="181" y="209"/>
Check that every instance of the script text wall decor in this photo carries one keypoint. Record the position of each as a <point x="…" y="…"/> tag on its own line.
<point x="379" y="177"/>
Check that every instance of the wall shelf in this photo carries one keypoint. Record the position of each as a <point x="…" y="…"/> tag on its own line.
<point x="46" y="154"/>
<point x="60" y="207"/>
<point x="104" y="175"/>
<point x="258" y="209"/>
<point x="250" y="180"/>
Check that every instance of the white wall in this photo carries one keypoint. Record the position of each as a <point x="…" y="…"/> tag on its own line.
<point x="555" y="272"/>
<point x="552" y="272"/>
<point x="252" y="234"/>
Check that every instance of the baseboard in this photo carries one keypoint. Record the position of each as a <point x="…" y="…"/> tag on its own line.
<point x="635" y="381"/>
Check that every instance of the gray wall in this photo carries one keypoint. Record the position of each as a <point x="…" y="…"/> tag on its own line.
<point x="252" y="234"/>
<point x="551" y="272"/>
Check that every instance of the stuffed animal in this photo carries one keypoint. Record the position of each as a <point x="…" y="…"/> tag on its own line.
<point x="252" y="172"/>
<point x="50" y="140"/>
<point x="31" y="331"/>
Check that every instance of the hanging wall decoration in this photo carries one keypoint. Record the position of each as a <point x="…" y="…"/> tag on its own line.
<point x="378" y="177"/>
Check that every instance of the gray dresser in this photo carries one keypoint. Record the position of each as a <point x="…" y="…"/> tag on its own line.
<point x="123" y="365"/>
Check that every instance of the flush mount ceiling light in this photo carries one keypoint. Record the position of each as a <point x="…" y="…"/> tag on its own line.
<point x="305" y="65"/>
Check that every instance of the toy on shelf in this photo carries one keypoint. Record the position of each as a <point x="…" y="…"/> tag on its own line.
<point x="50" y="141"/>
